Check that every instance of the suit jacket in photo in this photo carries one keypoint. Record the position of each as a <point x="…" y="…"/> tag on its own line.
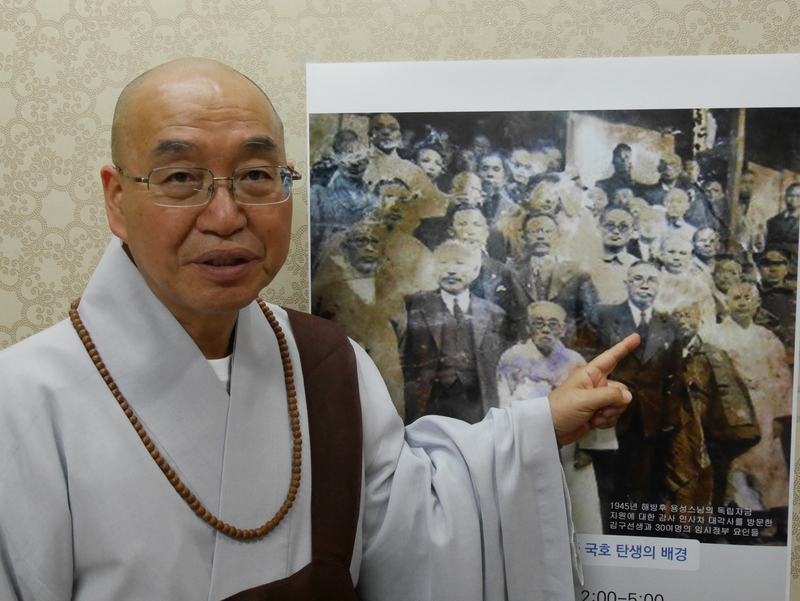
<point x="708" y="400"/>
<point x="782" y="232"/>
<point x="498" y="284"/>
<point x="566" y="284"/>
<point x="610" y="185"/>
<point x="647" y="370"/>
<point x="655" y="194"/>
<point x="421" y="347"/>
<point x="705" y="213"/>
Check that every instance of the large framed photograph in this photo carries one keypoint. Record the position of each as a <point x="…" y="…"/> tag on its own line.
<point x="481" y="241"/>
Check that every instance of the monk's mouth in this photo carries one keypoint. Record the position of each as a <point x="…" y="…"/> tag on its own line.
<point x="224" y="262"/>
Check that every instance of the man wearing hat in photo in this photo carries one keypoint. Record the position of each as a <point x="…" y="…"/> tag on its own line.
<point x="778" y="296"/>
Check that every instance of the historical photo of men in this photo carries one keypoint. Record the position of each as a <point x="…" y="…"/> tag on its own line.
<point x="481" y="257"/>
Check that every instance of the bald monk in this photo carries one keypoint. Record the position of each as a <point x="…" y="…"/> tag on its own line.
<point x="175" y="439"/>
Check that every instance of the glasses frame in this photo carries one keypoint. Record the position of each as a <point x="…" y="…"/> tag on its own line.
<point x="283" y="170"/>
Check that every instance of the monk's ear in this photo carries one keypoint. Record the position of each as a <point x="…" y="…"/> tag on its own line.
<point x="112" y="190"/>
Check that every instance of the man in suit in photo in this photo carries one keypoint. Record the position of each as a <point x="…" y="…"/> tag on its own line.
<point x="622" y="163"/>
<point x="495" y="282"/>
<point x="710" y="415"/>
<point x="669" y="170"/>
<point x="639" y="468"/>
<point x="778" y="297"/>
<point x="498" y="200"/>
<point x="610" y="269"/>
<point x="547" y="277"/>
<point x="451" y="342"/>
<point x="783" y="229"/>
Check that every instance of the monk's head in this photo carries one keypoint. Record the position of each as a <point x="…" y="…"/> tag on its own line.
<point x="205" y="247"/>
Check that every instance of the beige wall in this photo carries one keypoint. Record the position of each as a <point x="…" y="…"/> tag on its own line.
<point x="63" y="63"/>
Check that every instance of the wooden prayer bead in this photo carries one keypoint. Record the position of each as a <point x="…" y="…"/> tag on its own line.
<point x="180" y="488"/>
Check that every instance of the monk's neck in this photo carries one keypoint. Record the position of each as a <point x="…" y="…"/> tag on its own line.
<point x="213" y="337"/>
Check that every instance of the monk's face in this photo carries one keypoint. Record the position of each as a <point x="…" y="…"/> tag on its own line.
<point x="204" y="261"/>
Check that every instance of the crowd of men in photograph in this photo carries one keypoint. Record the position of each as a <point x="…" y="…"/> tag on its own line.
<point x="476" y="277"/>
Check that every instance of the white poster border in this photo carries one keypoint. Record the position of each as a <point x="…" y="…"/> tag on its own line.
<point x="744" y="81"/>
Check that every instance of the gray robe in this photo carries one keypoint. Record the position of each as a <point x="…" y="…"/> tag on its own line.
<point x="448" y="510"/>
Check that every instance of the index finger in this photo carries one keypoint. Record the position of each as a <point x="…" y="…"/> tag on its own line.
<point x="607" y="361"/>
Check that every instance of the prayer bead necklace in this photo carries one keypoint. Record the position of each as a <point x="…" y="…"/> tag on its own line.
<point x="180" y="488"/>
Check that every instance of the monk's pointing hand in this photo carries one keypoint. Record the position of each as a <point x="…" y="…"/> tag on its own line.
<point x="588" y="399"/>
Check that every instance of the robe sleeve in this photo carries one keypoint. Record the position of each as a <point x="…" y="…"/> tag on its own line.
<point x="35" y="530"/>
<point x="462" y="511"/>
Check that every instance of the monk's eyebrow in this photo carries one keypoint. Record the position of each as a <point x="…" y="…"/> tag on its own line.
<point x="261" y="144"/>
<point x="173" y="148"/>
<point x="177" y="149"/>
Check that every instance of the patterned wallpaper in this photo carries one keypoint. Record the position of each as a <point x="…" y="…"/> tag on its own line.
<point x="63" y="63"/>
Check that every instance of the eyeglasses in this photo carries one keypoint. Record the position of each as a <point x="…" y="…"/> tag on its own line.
<point x="621" y="228"/>
<point x="194" y="186"/>
<point x="550" y="324"/>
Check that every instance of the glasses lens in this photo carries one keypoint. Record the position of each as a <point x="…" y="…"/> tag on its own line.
<point x="262" y="185"/>
<point x="179" y="186"/>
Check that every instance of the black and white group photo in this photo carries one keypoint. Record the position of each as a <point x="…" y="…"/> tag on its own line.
<point x="480" y="257"/>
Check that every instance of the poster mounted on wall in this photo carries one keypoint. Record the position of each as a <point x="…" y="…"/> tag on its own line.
<point x="483" y="228"/>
